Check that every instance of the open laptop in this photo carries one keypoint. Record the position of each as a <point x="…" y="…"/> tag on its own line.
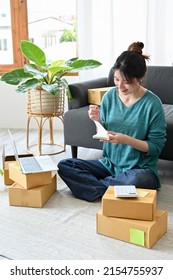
<point x="32" y="164"/>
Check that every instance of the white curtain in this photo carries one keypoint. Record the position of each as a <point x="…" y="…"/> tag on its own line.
<point x="159" y="32"/>
<point x="105" y="28"/>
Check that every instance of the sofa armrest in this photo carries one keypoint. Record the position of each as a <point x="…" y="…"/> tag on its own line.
<point x="79" y="91"/>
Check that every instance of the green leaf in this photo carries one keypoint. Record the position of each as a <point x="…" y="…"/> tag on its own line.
<point x="33" y="53"/>
<point x="64" y="83"/>
<point x="68" y="62"/>
<point x="68" y="93"/>
<point x="53" y="88"/>
<point x="66" y="86"/>
<point x="59" y="69"/>
<point x="32" y="69"/>
<point x="16" y="76"/>
<point x="58" y="63"/>
<point x="29" y="84"/>
<point x="1" y="172"/>
<point x="82" y="64"/>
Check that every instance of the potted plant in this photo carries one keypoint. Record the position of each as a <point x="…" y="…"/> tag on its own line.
<point x="43" y="76"/>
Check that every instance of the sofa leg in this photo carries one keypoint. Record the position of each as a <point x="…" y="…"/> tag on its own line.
<point x="74" y="151"/>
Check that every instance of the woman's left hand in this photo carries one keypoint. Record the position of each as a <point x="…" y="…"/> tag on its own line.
<point x="119" y="138"/>
<point x="115" y="138"/>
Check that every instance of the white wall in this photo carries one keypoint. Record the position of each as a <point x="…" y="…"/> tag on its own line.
<point x="12" y="107"/>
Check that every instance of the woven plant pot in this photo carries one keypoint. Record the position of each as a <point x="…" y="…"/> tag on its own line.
<point x="41" y="102"/>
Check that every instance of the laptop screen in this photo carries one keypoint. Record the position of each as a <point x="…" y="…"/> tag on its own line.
<point x="14" y="147"/>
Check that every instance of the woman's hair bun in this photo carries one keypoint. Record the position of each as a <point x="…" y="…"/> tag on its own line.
<point x="136" y="47"/>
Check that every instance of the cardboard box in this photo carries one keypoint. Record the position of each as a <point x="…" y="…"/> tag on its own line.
<point x="140" y="208"/>
<point x="28" y="181"/>
<point x="36" y="197"/>
<point x="95" y="95"/>
<point x="6" y="160"/>
<point x="142" y="233"/>
<point x="7" y="180"/>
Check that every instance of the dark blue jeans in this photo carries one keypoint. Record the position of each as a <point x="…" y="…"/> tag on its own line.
<point x="89" y="179"/>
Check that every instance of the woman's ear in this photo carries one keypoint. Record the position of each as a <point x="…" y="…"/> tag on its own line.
<point x="140" y="80"/>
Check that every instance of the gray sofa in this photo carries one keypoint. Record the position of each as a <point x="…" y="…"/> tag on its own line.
<point x="79" y="129"/>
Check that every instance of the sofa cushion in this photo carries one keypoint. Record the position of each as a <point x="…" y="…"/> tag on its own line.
<point x="167" y="152"/>
<point x="159" y="79"/>
<point x="168" y="110"/>
<point x="79" y="129"/>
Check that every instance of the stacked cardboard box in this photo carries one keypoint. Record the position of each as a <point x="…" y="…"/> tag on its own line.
<point x="31" y="190"/>
<point x="6" y="160"/>
<point x="134" y="220"/>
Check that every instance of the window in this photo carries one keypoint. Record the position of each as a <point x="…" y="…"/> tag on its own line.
<point x="12" y="30"/>
<point x="6" y="54"/>
<point x="52" y="27"/>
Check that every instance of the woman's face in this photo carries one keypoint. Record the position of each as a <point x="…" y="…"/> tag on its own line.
<point x="125" y="87"/>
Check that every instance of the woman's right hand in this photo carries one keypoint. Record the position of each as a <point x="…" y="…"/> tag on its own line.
<point x="94" y="112"/>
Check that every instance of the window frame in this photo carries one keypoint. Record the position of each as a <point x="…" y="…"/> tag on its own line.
<point x="19" y="29"/>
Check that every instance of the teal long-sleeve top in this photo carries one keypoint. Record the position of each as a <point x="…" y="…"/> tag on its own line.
<point x="144" y="120"/>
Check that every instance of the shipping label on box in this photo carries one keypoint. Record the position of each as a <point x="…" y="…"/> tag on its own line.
<point x="36" y="197"/>
<point x="141" y="207"/>
<point x="138" y="232"/>
<point x="95" y="95"/>
<point x="29" y="181"/>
